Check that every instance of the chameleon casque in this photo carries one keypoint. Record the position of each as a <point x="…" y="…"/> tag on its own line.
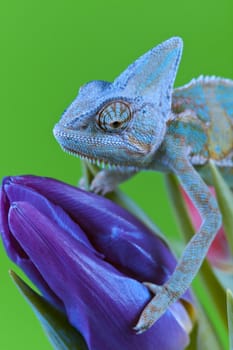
<point x="139" y="122"/>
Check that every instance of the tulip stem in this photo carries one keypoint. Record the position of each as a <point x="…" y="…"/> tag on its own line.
<point x="89" y="171"/>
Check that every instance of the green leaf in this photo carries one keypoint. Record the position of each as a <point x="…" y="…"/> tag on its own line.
<point x="225" y="202"/>
<point x="230" y="317"/>
<point x="59" y="331"/>
<point x="206" y="335"/>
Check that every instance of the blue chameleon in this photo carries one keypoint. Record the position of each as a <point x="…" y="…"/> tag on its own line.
<point x="139" y="122"/>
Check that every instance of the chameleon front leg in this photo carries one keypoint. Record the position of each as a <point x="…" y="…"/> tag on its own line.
<point x="194" y="252"/>
<point x="108" y="179"/>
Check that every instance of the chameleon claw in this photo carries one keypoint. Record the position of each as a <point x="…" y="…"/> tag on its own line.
<point x="140" y="328"/>
<point x="153" y="288"/>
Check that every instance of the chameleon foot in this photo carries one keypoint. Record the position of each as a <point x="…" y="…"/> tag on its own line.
<point x="107" y="180"/>
<point x="103" y="183"/>
<point x="99" y="185"/>
<point x="154" y="309"/>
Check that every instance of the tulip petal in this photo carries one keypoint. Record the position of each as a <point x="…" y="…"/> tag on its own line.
<point x="19" y="256"/>
<point x="100" y="301"/>
<point x="149" y="257"/>
<point x="19" y="192"/>
<point x="137" y="251"/>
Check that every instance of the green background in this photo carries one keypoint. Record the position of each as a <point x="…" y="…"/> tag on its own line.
<point x="48" y="49"/>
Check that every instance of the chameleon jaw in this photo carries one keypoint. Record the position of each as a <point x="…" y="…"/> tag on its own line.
<point x="101" y="163"/>
<point x="63" y="138"/>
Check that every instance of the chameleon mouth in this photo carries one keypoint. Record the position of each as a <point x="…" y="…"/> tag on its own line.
<point x="101" y="163"/>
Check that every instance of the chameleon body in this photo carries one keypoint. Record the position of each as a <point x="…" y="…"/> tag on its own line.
<point x="140" y="122"/>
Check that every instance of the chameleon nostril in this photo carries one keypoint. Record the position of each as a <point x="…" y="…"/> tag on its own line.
<point x="84" y="126"/>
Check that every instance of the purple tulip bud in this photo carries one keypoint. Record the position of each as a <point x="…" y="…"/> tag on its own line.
<point x="89" y="257"/>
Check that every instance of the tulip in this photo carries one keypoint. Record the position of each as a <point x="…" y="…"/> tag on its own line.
<point x="89" y="259"/>
<point x="219" y="254"/>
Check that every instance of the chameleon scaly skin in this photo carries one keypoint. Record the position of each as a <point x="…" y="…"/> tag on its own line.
<point x="139" y="122"/>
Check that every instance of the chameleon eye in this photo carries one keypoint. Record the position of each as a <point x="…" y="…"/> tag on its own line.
<point x="114" y="116"/>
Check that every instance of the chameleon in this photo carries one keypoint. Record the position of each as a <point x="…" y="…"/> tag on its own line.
<point x="141" y="122"/>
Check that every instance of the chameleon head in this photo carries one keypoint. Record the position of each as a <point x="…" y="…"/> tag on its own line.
<point x="123" y="123"/>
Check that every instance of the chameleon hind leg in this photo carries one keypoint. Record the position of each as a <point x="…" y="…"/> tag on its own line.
<point x="194" y="252"/>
